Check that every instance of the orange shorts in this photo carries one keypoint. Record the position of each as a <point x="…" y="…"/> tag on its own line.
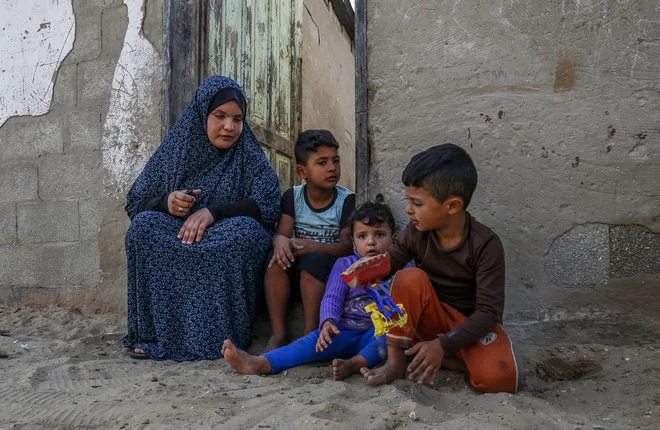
<point x="491" y="362"/>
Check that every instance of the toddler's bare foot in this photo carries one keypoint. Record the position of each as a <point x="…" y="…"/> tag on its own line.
<point x="388" y="372"/>
<point x="342" y="369"/>
<point x="275" y="341"/>
<point x="243" y="362"/>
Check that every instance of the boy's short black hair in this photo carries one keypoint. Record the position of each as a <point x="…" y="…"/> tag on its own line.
<point x="372" y="213"/>
<point x="309" y="141"/>
<point x="444" y="171"/>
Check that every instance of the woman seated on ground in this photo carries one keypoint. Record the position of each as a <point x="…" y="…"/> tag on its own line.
<point x="200" y="214"/>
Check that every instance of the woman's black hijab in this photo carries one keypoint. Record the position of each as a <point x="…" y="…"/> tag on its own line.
<point x="226" y="95"/>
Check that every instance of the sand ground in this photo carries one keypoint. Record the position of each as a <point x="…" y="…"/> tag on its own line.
<point x="596" y="368"/>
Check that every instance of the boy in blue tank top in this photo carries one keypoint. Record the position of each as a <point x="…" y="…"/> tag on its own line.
<point x="311" y="233"/>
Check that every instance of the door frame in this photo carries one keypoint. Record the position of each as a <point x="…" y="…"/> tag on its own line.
<point x="184" y="38"/>
<point x="185" y="27"/>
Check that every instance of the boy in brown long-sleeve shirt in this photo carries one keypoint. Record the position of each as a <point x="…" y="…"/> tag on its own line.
<point x="455" y="295"/>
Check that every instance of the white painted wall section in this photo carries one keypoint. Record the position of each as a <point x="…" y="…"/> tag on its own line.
<point x="127" y="141"/>
<point x="35" y="36"/>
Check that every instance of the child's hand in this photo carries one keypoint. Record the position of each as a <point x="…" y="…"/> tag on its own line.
<point x="325" y="336"/>
<point x="427" y="362"/>
<point x="282" y="252"/>
<point x="301" y="246"/>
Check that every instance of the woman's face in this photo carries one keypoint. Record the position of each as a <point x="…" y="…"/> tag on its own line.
<point x="224" y="125"/>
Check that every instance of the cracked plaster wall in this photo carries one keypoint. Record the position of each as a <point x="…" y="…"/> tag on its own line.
<point x="79" y="115"/>
<point x="34" y="42"/>
<point x="558" y="102"/>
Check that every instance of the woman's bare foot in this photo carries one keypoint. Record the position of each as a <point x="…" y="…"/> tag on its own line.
<point x="342" y="369"/>
<point x="140" y="351"/>
<point x="243" y="362"/>
<point x="387" y="373"/>
<point x="275" y="341"/>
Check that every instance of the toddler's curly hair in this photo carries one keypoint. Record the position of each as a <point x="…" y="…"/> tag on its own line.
<point x="372" y="213"/>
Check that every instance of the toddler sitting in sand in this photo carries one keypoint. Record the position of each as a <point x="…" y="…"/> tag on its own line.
<point x="346" y="333"/>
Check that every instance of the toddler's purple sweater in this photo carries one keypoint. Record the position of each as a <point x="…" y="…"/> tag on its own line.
<point x="344" y="306"/>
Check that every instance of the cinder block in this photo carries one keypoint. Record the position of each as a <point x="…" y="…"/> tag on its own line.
<point x="8" y="224"/>
<point x="69" y="264"/>
<point x="112" y="3"/>
<point x="95" y="80"/>
<point x="10" y="296"/>
<point x="66" y="85"/>
<point x="49" y="221"/>
<point x="70" y="176"/>
<point x="115" y="23"/>
<point x="85" y="130"/>
<point x="73" y="263"/>
<point x="33" y="137"/>
<point x="91" y="216"/>
<point x="73" y="295"/>
<point x="85" y="8"/>
<point x="580" y="257"/>
<point x="18" y="264"/>
<point x="18" y="181"/>
<point x="152" y="27"/>
<point x="4" y="133"/>
<point x="87" y="44"/>
<point x="634" y="249"/>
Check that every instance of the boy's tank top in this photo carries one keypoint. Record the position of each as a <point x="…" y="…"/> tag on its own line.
<point x="321" y="225"/>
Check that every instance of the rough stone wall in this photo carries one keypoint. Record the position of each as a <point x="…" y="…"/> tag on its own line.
<point x="557" y="101"/>
<point x="328" y="87"/>
<point x="71" y="145"/>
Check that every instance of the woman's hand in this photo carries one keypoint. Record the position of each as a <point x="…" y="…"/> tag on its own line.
<point x="180" y="202"/>
<point x="325" y="336"/>
<point x="195" y="226"/>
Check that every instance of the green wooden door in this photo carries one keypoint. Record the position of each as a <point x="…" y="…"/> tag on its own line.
<point x="258" y="43"/>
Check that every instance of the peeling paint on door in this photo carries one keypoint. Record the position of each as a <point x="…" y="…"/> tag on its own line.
<point x="258" y="43"/>
<point x="35" y="36"/>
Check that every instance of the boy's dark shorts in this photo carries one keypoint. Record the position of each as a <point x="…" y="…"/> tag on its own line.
<point x="316" y="264"/>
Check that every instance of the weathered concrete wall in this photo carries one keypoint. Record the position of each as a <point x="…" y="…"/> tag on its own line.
<point x="328" y="75"/>
<point x="79" y="114"/>
<point x="557" y="101"/>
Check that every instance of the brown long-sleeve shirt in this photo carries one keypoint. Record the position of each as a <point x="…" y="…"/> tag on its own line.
<point x="468" y="277"/>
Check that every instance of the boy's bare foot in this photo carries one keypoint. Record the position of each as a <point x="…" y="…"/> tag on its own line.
<point x="387" y="373"/>
<point x="454" y="363"/>
<point x="243" y="362"/>
<point x="342" y="369"/>
<point x="275" y="341"/>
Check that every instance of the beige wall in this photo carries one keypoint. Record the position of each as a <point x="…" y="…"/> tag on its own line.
<point x="328" y="75"/>
<point x="559" y="107"/>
